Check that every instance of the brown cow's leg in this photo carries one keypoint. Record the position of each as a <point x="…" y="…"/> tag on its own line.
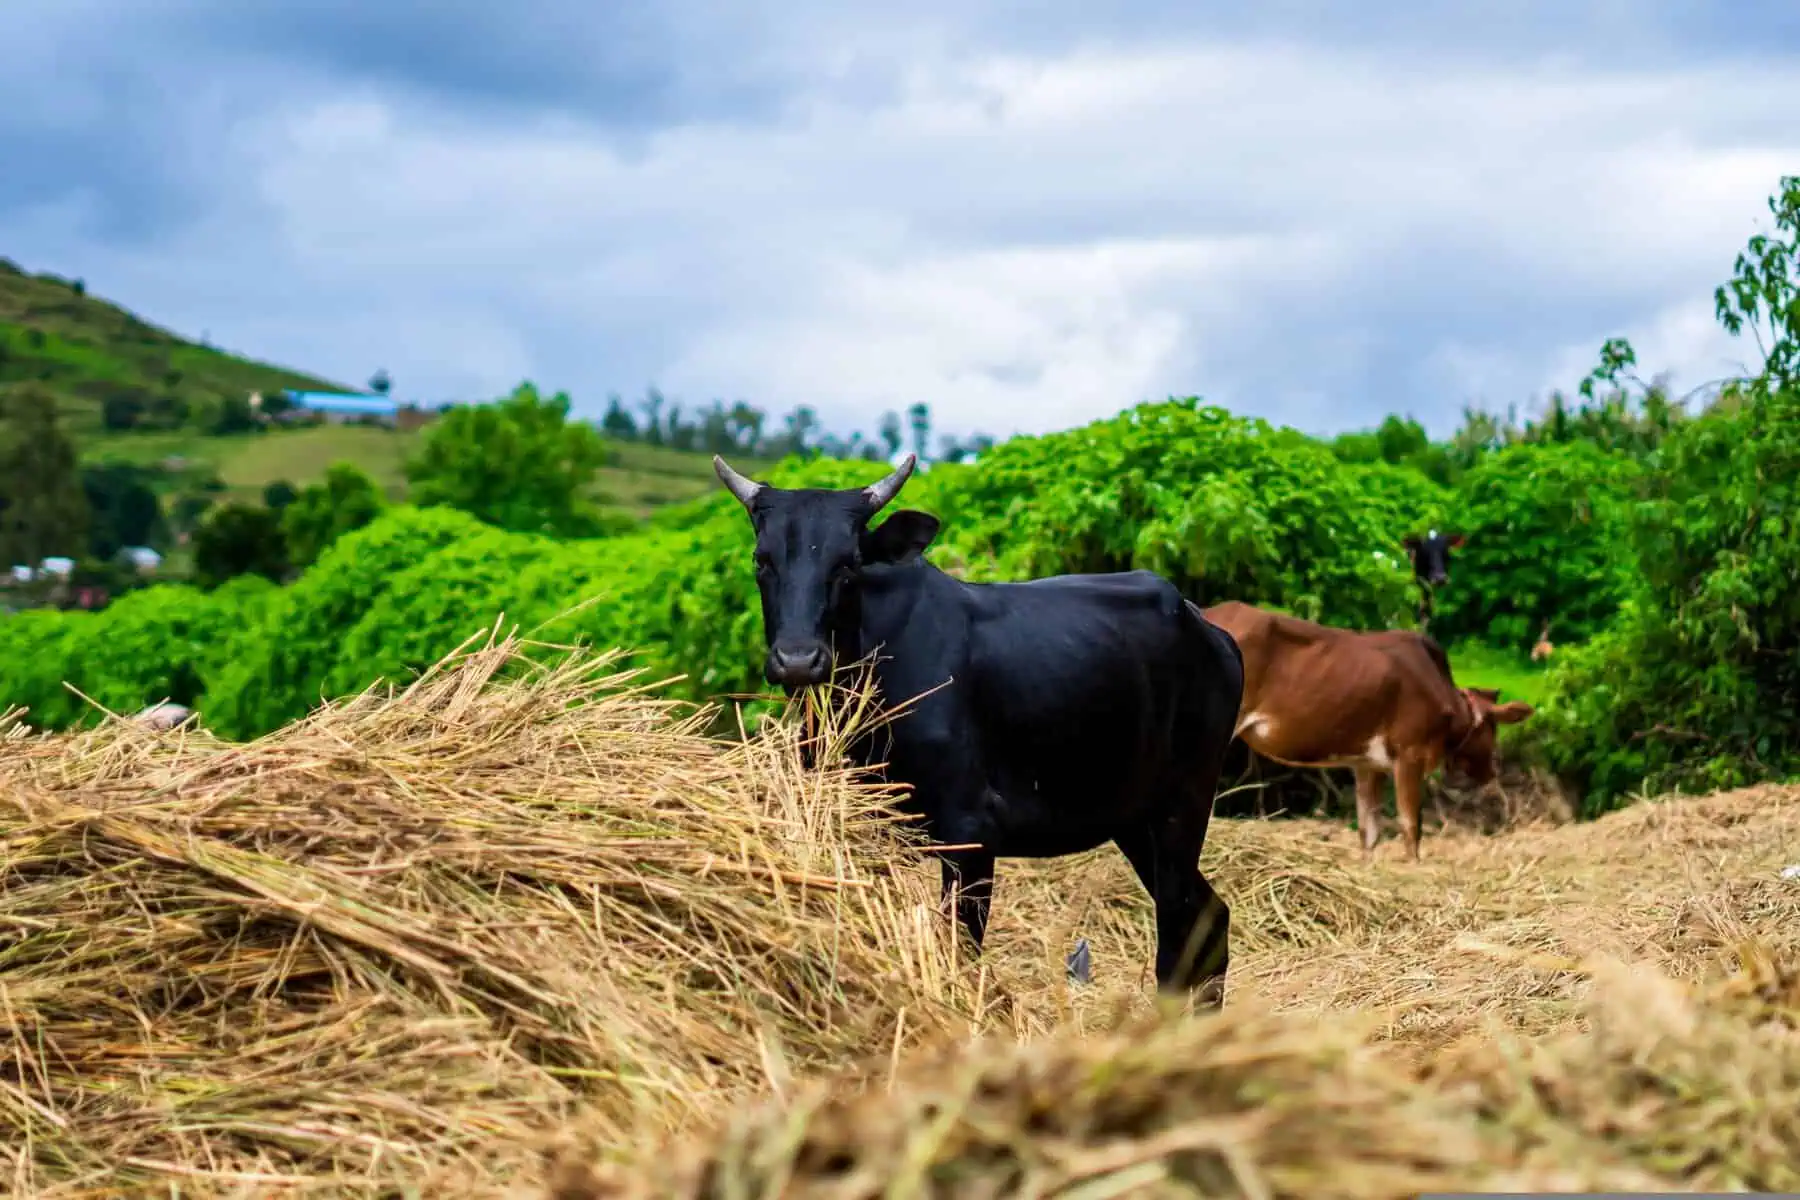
<point x="1368" y="808"/>
<point x="1409" y="784"/>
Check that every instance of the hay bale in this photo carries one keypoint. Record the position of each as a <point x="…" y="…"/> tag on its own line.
<point x="405" y="934"/>
<point x="400" y="943"/>
<point x="1680" y="1091"/>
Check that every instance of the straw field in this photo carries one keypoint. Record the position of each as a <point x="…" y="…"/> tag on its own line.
<point x="525" y="931"/>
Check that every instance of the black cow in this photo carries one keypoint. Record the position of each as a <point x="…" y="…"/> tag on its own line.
<point x="1431" y="565"/>
<point x="1080" y="709"/>
<point x="1431" y="555"/>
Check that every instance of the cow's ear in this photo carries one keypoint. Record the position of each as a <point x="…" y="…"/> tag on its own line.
<point x="1491" y="695"/>
<point x="901" y="538"/>
<point x="1512" y="712"/>
<point x="1456" y="541"/>
<point x="1411" y="542"/>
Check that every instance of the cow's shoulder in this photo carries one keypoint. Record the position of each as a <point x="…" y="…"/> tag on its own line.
<point x="1423" y="670"/>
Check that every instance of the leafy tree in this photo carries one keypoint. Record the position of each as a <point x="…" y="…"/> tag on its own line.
<point x="1698" y="682"/>
<point x="279" y="494"/>
<point x="123" y="507"/>
<point x="918" y="418"/>
<point x="520" y="464"/>
<point x="380" y="383"/>
<point x="891" y="436"/>
<point x="1227" y="507"/>
<point x="234" y="416"/>
<point x="239" y="539"/>
<point x="1548" y="529"/>
<point x="120" y="411"/>
<point x="1762" y="297"/>
<point x="43" y="510"/>
<point x="617" y="423"/>
<point x="346" y="500"/>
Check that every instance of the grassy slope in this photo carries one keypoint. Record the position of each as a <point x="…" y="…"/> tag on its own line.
<point x="1517" y="677"/>
<point x="91" y="349"/>
<point x="641" y="479"/>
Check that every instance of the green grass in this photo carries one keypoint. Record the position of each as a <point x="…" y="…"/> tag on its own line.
<point x="84" y="350"/>
<point x="1517" y="677"/>
<point x="640" y="480"/>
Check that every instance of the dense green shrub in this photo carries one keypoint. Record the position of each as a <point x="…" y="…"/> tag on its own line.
<point x="163" y="643"/>
<point x="167" y="642"/>
<point x="316" y="516"/>
<point x="1228" y="507"/>
<point x="35" y="647"/>
<point x="1548" y="539"/>
<point x="280" y="670"/>
<point x="431" y="606"/>
<point x="1698" y="683"/>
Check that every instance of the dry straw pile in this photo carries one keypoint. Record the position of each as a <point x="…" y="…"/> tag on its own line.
<point x="408" y="944"/>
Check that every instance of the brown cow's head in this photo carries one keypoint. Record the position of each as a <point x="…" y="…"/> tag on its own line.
<point x="1469" y="751"/>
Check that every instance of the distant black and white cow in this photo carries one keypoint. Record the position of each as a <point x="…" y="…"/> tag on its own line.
<point x="1431" y="565"/>
<point x="1080" y="709"/>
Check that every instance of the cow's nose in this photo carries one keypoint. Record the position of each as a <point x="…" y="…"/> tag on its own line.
<point x="797" y="666"/>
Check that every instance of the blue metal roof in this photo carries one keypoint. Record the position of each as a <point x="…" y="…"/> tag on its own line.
<point x="344" y="402"/>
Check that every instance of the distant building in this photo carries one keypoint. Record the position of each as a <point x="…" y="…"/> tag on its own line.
<point x="142" y="558"/>
<point x="340" y="408"/>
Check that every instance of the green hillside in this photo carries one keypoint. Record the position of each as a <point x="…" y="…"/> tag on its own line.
<point x="639" y="478"/>
<point x="90" y="353"/>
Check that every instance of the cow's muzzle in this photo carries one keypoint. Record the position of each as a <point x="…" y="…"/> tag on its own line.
<point x="797" y="665"/>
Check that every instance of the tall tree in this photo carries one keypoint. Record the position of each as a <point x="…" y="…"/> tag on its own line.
<point x="520" y="464"/>
<point x="919" y="418"/>
<point x="122" y="509"/>
<point x="43" y="509"/>
<point x="890" y="432"/>
<point x="239" y="539"/>
<point x="323" y="512"/>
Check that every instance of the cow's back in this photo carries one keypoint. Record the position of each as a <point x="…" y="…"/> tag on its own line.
<point x="1312" y="693"/>
<point x="1090" y="695"/>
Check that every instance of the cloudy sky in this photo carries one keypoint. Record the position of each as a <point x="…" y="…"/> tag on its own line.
<point x="1028" y="215"/>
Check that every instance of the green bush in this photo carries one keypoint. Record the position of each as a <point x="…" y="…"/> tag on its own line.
<point x="1697" y="684"/>
<point x="280" y="670"/>
<point x="35" y="647"/>
<point x="165" y="642"/>
<point x="1229" y="508"/>
<point x="1549" y="538"/>
<point x="162" y="643"/>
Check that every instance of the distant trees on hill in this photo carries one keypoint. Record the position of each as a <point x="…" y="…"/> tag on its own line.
<point x="743" y="428"/>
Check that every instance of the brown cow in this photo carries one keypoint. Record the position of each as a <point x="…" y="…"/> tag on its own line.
<point x="1381" y="702"/>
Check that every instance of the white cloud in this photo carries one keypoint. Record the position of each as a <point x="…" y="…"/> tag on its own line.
<point x="1024" y="243"/>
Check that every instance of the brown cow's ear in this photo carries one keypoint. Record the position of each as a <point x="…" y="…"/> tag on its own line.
<point x="901" y="538"/>
<point x="1411" y="542"/>
<point x="1457" y="540"/>
<point x="1512" y="712"/>
<point x="1491" y="695"/>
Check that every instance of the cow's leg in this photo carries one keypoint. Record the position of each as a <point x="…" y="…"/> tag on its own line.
<point x="1409" y="787"/>
<point x="1193" y="924"/>
<point x="1368" y="807"/>
<point x="969" y="885"/>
